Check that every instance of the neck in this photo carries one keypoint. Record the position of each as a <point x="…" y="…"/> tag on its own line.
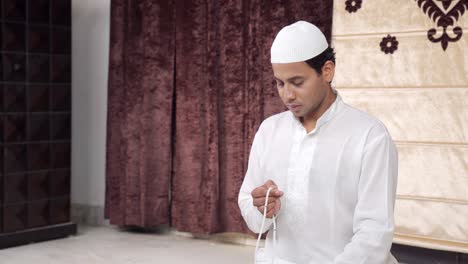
<point x="310" y="121"/>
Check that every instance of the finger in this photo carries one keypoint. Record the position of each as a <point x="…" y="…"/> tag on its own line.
<point x="269" y="210"/>
<point x="274" y="210"/>
<point x="261" y="201"/>
<point x="270" y="215"/>
<point x="270" y="183"/>
<point x="261" y="209"/>
<point x="270" y="207"/>
<point x="275" y="191"/>
<point x="277" y="207"/>
<point x="259" y="192"/>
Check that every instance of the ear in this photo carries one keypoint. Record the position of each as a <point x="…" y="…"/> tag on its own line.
<point x="328" y="71"/>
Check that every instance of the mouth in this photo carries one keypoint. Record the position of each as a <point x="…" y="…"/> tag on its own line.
<point x="294" y="107"/>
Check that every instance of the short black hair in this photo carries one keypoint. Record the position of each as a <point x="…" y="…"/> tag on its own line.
<point x="317" y="62"/>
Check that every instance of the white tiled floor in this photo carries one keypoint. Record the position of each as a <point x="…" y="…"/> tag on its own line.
<point x="97" y="245"/>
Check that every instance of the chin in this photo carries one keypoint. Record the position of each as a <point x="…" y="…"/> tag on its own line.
<point x="298" y="114"/>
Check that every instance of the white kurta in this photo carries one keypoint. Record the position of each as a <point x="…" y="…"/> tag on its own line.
<point x="339" y="183"/>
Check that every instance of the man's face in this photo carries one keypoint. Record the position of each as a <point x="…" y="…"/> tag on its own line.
<point x="301" y="88"/>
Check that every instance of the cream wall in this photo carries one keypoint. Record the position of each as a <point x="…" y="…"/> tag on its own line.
<point x="90" y="56"/>
<point x="420" y="92"/>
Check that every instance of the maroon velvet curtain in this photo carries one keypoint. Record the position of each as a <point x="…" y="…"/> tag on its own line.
<point x="223" y="88"/>
<point x="140" y="100"/>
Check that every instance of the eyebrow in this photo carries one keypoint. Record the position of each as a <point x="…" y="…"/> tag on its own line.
<point x="290" y="79"/>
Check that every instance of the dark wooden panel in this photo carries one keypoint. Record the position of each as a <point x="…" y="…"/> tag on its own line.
<point x="38" y="213"/>
<point x="59" y="210"/>
<point x="15" y="188"/>
<point x="416" y="255"/>
<point x="35" y="120"/>
<point x="14" y="217"/>
<point x="37" y="235"/>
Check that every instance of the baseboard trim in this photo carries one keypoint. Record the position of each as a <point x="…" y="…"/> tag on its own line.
<point x="37" y="234"/>
<point x="84" y="214"/>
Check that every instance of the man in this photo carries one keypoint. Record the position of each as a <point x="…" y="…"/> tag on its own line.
<point x="333" y="168"/>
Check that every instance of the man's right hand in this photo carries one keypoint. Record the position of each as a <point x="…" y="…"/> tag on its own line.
<point x="274" y="203"/>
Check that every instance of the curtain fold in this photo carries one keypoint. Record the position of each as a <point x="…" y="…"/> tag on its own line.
<point x="202" y="68"/>
<point x="140" y="99"/>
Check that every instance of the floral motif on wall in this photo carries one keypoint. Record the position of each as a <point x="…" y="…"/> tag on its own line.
<point x="445" y="15"/>
<point x="353" y="5"/>
<point x="389" y="44"/>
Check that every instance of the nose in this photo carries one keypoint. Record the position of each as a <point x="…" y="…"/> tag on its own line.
<point x="289" y="92"/>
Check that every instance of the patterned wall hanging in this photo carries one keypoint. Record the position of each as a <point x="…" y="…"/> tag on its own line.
<point x="444" y="13"/>
<point x="389" y="44"/>
<point x="353" y="5"/>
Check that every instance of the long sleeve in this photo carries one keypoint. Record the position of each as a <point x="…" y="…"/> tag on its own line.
<point x="373" y="222"/>
<point x="253" y="178"/>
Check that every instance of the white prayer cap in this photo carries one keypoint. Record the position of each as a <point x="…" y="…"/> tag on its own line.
<point x="298" y="42"/>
